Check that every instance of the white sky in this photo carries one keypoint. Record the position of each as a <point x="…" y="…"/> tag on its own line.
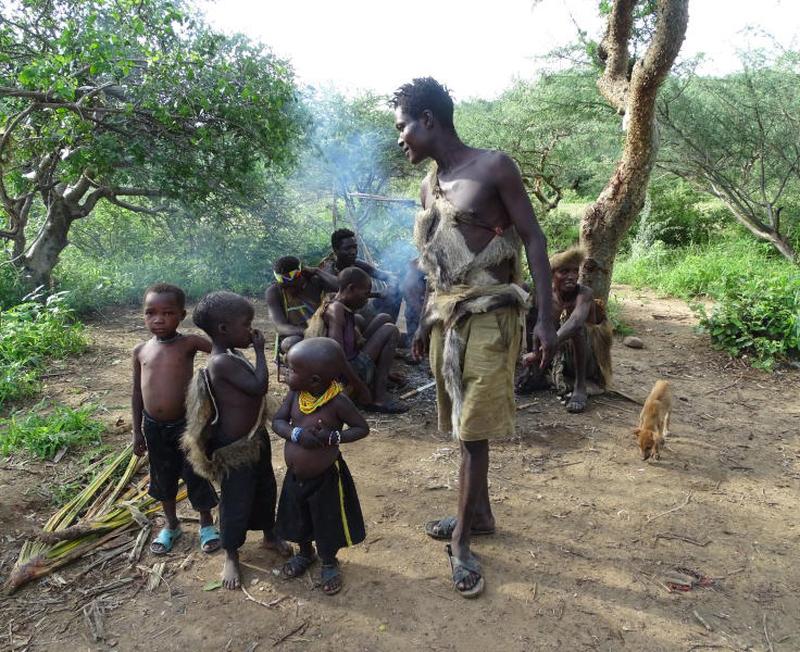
<point x="475" y="47"/>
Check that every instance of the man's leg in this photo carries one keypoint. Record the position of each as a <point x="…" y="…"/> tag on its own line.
<point x="381" y="347"/>
<point x="580" y="356"/>
<point x="473" y="502"/>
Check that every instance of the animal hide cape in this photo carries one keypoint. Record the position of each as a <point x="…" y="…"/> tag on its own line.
<point x="461" y="282"/>
<point x="201" y="415"/>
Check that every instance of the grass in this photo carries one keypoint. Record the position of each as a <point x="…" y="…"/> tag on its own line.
<point x="44" y="435"/>
<point x="32" y="333"/>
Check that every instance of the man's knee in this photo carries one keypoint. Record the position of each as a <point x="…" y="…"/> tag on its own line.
<point x="289" y="342"/>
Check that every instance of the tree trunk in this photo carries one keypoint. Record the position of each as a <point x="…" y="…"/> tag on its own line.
<point x="606" y="221"/>
<point x="43" y="255"/>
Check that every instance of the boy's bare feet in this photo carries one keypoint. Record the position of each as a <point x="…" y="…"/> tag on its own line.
<point x="272" y="542"/>
<point x="231" y="572"/>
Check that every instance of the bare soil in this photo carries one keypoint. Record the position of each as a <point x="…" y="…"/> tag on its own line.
<point x="589" y="536"/>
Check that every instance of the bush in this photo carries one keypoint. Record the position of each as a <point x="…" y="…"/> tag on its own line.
<point x="561" y="228"/>
<point x="43" y="436"/>
<point x="30" y="333"/>
<point x="760" y="317"/>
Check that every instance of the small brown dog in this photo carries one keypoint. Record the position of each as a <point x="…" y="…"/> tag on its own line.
<point x="654" y="420"/>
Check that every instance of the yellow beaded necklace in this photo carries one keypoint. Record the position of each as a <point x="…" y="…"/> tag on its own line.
<point x="308" y="403"/>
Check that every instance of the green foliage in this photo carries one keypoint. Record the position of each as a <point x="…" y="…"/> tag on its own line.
<point x="760" y="317"/>
<point x="44" y="435"/>
<point x="756" y="294"/>
<point x="32" y="333"/>
<point x="614" y="313"/>
<point x="561" y="228"/>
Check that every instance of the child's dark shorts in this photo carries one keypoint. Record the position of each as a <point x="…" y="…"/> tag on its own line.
<point x="168" y="464"/>
<point x="324" y="509"/>
<point x="248" y="495"/>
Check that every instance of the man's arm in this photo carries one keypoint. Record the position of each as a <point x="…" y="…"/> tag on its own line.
<point x="236" y="374"/>
<point x="374" y="272"/>
<point x="578" y="317"/>
<point x="520" y="211"/>
<point x="328" y="282"/>
<point x="278" y="314"/>
<point x="137" y="404"/>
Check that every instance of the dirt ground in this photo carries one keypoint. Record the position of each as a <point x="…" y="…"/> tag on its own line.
<point x="588" y="539"/>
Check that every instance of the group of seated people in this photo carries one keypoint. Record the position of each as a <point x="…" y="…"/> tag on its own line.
<point x="336" y="300"/>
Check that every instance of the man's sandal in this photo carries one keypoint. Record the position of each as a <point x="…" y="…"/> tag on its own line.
<point x="165" y="539"/>
<point x="462" y="569"/>
<point x="330" y="574"/>
<point x="442" y="530"/>
<point x="296" y="566"/>
<point x="209" y="539"/>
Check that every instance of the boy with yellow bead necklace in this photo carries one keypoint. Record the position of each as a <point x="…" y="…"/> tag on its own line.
<point x="318" y="502"/>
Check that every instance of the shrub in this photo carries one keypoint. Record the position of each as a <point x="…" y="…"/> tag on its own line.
<point x="43" y="436"/>
<point x="760" y="317"/>
<point x="32" y="332"/>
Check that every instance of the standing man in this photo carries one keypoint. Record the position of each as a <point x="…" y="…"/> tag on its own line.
<point x="476" y="219"/>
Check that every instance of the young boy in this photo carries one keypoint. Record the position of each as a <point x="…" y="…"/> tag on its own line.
<point x="369" y="356"/>
<point x="318" y="501"/>
<point x="162" y="369"/>
<point x="239" y="444"/>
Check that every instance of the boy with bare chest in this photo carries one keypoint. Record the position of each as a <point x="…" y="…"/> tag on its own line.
<point x="318" y="501"/>
<point x="162" y="369"/>
<point x="239" y="443"/>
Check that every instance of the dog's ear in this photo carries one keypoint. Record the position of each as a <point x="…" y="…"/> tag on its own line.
<point x="636" y="431"/>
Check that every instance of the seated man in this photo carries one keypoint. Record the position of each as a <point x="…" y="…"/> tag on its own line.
<point x="369" y="355"/>
<point x="344" y="255"/>
<point x="582" y="364"/>
<point x="294" y="297"/>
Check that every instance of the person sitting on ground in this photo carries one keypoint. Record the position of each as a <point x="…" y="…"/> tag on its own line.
<point x="582" y="364"/>
<point x="162" y="369"/>
<point x="345" y="254"/>
<point x="226" y="437"/>
<point x="369" y="355"/>
<point x="318" y="502"/>
<point x="294" y="297"/>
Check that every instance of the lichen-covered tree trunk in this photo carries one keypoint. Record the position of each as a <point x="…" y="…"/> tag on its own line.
<point x="609" y="217"/>
<point x="38" y="264"/>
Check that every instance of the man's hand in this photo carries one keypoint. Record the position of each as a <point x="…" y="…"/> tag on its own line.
<point x="545" y="342"/>
<point x="309" y="271"/>
<point x="420" y="343"/>
<point x="139" y="444"/>
<point x="258" y="340"/>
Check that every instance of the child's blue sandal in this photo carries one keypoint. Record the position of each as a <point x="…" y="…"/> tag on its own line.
<point x="165" y="539"/>
<point x="208" y="535"/>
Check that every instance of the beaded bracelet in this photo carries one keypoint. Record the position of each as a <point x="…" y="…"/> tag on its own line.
<point x="295" y="435"/>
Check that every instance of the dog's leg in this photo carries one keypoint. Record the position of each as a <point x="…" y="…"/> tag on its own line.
<point x="665" y="431"/>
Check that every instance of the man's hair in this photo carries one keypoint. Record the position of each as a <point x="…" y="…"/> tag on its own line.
<point x="425" y="93"/>
<point x="340" y="235"/>
<point x="219" y="308"/>
<point x="287" y="264"/>
<point x="167" y="288"/>
<point x="353" y="276"/>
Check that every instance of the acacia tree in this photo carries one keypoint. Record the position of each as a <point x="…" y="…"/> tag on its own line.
<point x="631" y="87"/>
<point x="131" y="102"/>
<point x="736" y="138"/>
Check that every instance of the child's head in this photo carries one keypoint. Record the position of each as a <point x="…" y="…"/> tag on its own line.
<point x="313" y="364"/>
<point x="164" y="309"/>
<point x="226" y="317"/>
<point x="355" y="286"/>
<point x="288" y="271"/>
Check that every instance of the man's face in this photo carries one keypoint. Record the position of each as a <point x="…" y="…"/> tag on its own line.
<point x="346" y="252"/>
<point x="413" y="136"/>
<point x="566" y="279"/>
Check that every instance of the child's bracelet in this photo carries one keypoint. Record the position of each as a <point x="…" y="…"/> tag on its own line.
<point x="335" y="434"/>
<point x="295" y="435"/>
